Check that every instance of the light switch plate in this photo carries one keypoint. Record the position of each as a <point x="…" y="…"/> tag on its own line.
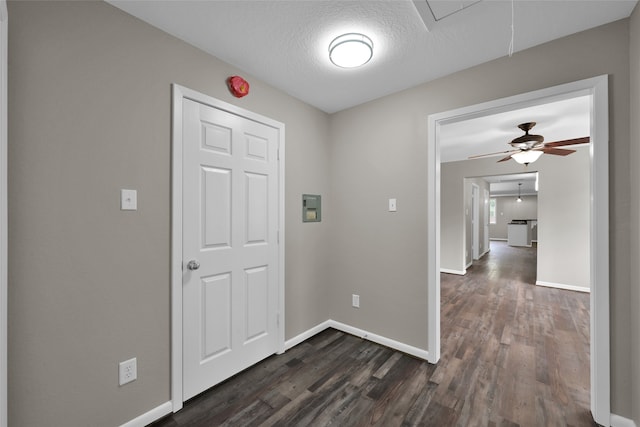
<point x="128" y="200"/>
<point x="392" y="205"/>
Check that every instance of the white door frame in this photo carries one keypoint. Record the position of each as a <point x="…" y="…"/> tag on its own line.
<point x="179" y="93"/>
<point x="4" y="49"/>
<point x="598" y="88"/>
<point x="485" y="223"/>
<point x="475" y="222"/>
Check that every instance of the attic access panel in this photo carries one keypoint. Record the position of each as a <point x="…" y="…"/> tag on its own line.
<point x="432" y="11"/>
<point x="443" y="8"/>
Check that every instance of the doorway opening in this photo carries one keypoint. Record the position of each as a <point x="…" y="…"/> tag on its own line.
<point x="598" y="272"/>
<point x="506" y="202"/>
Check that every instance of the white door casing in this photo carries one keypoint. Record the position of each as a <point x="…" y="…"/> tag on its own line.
<point x="228" y="217"/>
<point x="597" y="88"/>
<point x="475" y="221"/>
<point x="4" y="36"/>
<point x="486" y="221"/>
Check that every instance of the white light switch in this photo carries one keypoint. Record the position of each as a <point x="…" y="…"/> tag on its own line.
<point x="128" y="200"/>
<point x="392" y="205"/>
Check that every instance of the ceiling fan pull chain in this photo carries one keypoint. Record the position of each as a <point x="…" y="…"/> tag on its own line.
<point x="512" y="31"/>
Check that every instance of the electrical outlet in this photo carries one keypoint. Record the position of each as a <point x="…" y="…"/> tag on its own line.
<point x="355" y="300"/>
<point x="128" y="371"/>
<point x="128" y="200"/>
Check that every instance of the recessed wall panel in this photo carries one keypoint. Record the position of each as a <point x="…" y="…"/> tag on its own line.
<point x="256" y="282"/>
<point x="216" y="138"/>
<point x="216" y="207"/>
<point x="256" y="213"/>
<point x="257" y="147"/>
<point x="216" y="315"/>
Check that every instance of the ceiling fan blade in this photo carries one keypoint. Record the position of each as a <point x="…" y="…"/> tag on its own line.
<point x="556" y="151"/>
<point x="492" y="154"/>
<point x="504" y="159"/>
<point x="583" y="140"/>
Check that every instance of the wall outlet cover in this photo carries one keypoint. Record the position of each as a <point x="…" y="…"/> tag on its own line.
<point x="128" y="371"/>
<point x="128" y="200"/>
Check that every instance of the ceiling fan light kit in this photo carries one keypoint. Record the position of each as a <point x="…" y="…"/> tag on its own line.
<point x="527" y="141"/>
<point x="351" y="50"/>
<point x="528" y="148"/>
<point x="526" y="157"/>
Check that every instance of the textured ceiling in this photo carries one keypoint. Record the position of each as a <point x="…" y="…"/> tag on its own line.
<point x="285" y="43"/>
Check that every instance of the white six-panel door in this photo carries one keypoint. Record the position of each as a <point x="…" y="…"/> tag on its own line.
<point x="230" y="229"/>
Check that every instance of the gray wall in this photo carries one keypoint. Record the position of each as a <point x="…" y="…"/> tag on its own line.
<point x="89" y="113"/>
<point x="89" y="284"/>
<point x="563" y="220"/>
<point x="508" y="209"/>
<point x="378" y="150"/>
<point x="634" y="301"/>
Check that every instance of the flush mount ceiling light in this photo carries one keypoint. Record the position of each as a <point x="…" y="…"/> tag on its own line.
<point x="351" y="50"/>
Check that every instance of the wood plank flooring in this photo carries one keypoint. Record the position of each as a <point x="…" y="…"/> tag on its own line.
<point x="513" y="354"/>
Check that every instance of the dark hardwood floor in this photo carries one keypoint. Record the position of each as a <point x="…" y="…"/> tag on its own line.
<point x="513" y="354"/>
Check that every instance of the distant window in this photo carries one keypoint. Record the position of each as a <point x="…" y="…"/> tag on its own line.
<point x="492" y="211"/>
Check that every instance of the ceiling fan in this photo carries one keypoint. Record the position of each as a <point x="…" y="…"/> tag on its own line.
<point x="528" y="147"/>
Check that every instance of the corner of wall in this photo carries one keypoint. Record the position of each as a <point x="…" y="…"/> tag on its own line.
<point x="634" y="158"/>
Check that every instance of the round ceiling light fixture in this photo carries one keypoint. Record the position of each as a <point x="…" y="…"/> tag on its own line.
<point x="351" y="50"/>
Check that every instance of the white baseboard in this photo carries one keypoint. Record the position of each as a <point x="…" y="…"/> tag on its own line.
<point x="307" y="334"/>
<point x="388" y="342"/>
<point x="450" y="271"/>
<point x="618" y="421"/>
<point x="469" y="264"/>
<point x="151" y="416"/>
<point x="484" y="253"/>
<point x="379" y="339"/>
<point x="498" y="239"/>
<point x="563" y="286"/>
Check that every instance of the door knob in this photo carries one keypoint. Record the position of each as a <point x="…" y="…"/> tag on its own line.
<point x="193" y="265"/>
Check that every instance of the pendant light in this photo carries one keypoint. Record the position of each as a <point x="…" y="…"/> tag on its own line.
<point x="519" y="199"/>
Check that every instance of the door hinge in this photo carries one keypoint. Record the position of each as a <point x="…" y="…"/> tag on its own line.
<point x="278" y="319"/>
<point x="278" y="154"/>
<point x="278" y="237"/>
